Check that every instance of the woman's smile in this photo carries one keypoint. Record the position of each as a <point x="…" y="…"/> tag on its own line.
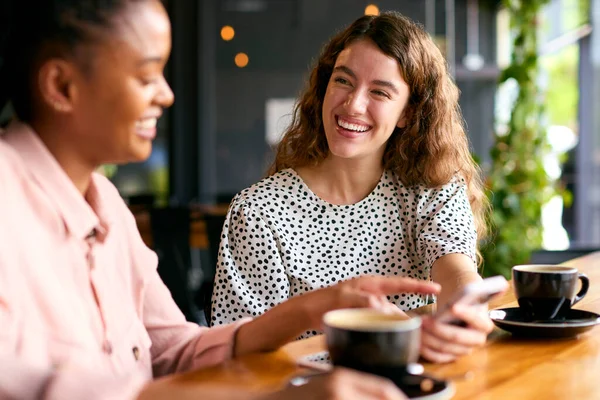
<point x="352" y="128"/>
<point x="146" y="128"/>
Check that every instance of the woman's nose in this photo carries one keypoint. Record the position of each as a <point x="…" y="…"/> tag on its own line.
<point x="165" y="96"/>
<point x="356" y="103"/>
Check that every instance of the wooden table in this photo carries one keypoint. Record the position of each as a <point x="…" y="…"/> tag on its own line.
<point x="505" y="368"/>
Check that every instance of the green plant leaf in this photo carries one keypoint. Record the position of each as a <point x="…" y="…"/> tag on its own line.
<point x="517" y="183"/>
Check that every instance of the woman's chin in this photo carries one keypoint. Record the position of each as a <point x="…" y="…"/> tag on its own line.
<point x="140" y="153"/>
<point x="345" y="152"/>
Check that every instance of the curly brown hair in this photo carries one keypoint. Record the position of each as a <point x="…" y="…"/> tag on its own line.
<point x="431" y="149"/>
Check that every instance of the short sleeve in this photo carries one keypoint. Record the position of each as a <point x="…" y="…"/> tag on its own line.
<point x="250" y="278"/>
<point x="446" y="223"/>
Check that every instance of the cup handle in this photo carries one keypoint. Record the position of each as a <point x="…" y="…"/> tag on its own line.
<point x="585" y="285"/>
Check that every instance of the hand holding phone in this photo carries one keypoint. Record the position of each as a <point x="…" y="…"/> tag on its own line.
<point x="473" y="294"/>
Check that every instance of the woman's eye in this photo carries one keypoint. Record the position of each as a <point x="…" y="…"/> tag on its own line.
<point x="380" y="93"/>
<point x="342" y="81"/>
<point x="148" y="81"/>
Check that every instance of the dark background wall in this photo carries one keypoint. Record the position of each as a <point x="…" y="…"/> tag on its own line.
<point x="224" y="106"/>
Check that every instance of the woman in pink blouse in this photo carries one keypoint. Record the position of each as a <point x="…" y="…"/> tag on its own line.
<point x="83" y="313"/>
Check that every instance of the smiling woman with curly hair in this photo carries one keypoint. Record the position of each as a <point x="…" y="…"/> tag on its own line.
<point x="373" y="176"/>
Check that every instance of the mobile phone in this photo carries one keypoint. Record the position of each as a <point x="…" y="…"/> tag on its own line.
<point x="473" y="294"/>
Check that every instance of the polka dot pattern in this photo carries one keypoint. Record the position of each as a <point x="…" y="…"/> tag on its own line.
<point x="281" y="240"/>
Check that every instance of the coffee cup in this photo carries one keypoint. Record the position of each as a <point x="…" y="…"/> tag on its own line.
<point x="372" y="341"/>
<point x="547" y="292"/>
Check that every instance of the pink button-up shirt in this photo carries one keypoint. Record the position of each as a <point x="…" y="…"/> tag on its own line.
<point x="82" y="316"/>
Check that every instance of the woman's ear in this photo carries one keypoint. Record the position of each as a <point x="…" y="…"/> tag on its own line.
<point x="56" y="85"/>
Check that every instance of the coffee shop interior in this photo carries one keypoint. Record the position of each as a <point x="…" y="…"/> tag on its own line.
<point x="237" y="67"/>
<point x="528" y="72"/>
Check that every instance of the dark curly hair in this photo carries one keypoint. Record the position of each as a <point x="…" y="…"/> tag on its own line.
<point x="31" y="31"/>
<point x="431" y="149"/>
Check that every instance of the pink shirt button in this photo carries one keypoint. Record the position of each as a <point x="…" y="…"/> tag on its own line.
<point x="107" y="347"/>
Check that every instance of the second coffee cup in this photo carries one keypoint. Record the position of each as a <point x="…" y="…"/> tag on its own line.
<point x="371" y="341"/>
<point x="546" y="292"/>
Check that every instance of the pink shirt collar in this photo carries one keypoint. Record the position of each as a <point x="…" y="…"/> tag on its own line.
<point x="80" y="217"/>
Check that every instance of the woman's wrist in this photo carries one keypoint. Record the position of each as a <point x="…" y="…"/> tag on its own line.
<point x="274" y="328"/>
<point x="313" y="305"/>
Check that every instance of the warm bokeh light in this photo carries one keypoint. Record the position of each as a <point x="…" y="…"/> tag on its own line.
<point x="227" y="33"/>
<point x="241" y="60"/>
<point x="372" y="9"/>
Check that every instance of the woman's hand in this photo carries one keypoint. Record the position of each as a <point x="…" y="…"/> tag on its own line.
<point x="287" y="320"/>
<point x="342" y="384"/>
<point x="442" y="342"/>
<point x="362" y="292"/>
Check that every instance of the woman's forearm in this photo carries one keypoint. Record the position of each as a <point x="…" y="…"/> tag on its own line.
<point x="453" y="272"/>
<point x="286" y="321"/>
<point x="274" y="328"/>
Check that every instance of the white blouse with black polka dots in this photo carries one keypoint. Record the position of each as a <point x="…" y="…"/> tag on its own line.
<point x="280" y="240"/>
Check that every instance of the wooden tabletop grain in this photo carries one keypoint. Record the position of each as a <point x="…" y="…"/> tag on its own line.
<point x="506" y="368"/>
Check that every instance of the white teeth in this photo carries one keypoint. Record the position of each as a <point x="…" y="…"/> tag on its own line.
<point x="352" y="127"/>
<point x="148" y="123"/>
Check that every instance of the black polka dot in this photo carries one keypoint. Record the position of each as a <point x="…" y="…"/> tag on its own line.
<point x="281" y="240"/>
